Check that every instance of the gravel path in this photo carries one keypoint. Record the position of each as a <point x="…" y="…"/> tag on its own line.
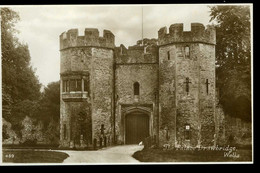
<point x="117" y="154"/>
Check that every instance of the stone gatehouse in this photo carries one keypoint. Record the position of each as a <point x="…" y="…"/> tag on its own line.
<point x="162" y="87"/>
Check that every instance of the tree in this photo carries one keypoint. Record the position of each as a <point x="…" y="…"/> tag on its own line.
<point x="233" y="59"/>
<point x="31" y="131"/>
<point x="50" y="103"/>
<point x="20" y="110"/>
<point x="8" y="20"/>
<point x="49" y="112"/>
<point x="19" y="79"/>
<point x="20" y="85"/>
<point x="8" y="135"/>
<point x="4" y="132"/>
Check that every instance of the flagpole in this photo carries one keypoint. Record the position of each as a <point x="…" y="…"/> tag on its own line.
<point x="142" y="28"/>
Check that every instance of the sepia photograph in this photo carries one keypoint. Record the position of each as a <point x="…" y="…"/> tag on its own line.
<point x="126" y="84"/>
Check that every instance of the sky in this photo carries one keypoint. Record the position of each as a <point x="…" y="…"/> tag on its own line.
<point x="40" y="27"/>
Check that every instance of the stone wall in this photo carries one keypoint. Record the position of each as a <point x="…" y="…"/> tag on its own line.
<point x="136" y="54"/>
<point x="167" y="95"/>
<point x="75" y="59"/>
<point x="160" y="67"/>
<point x="220" y="123"/>
<point x="75" y="64"/>
<point x="126" y="76"/>
<point x="178" y="107"/>
<point x="207" y="99"/>
<point x="90" y="58"/>
<point x="76" y="118"/>
<point x="101" y="86"/>
<point x="187" y="102"/>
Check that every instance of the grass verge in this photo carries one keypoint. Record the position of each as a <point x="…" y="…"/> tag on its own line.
<point x="32" y="156"/>
<point x="160" y="155"/>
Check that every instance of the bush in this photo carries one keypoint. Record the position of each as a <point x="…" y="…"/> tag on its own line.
<point x="29" y="142"/>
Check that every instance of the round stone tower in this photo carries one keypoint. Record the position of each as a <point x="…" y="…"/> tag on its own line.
<point x="86" y="84"/>
<point x="187" y="85"/>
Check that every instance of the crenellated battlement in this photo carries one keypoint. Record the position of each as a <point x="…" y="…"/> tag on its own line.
<point x="137" y="54"/>
<point x="176" y="34"/>
<point x="91" y="37"/>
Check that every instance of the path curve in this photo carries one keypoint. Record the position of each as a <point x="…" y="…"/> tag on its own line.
<point x="116" y="154"/>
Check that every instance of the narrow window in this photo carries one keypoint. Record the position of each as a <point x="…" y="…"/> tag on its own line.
<point x="136" y="88"/>
<point x="67" y="86"/>
<point x="207" y="86"/>
<point x="145" y="49"/>
<point x="168" y="55"/>
<point x="78" y="85"/>
<point x="86" y="85"/>
<point x="73" y="85"/>
<point x="187" y="132"/>
<point x="65" y="131"/>
<point x="64" y="85"/>
<point x="187" y="51"/>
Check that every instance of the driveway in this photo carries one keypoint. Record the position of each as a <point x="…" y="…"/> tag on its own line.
<point x="117" y="154"/>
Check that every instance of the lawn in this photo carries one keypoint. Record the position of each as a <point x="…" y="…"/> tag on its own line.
<point x="160" y="155"/>
<point x="32" y="156"/>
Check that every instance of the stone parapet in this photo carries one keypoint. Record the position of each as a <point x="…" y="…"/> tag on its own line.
<point x="176" y="34"/>
<point x="91" y="38"/>
<point x="75" y="96"/>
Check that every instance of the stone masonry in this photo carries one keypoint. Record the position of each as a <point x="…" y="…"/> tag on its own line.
<point x="165" y="85"/>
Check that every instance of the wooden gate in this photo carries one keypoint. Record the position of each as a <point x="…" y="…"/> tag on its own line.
<point x="137" y="127"/>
